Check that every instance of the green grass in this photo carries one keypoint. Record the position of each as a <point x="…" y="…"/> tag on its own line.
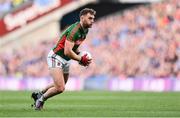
<point x="93" y="104"/>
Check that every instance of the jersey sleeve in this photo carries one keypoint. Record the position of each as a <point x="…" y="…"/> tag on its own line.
<point x="72" y="34"/>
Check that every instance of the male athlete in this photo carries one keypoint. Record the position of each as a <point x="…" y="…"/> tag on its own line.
<point x="59" y="57"/>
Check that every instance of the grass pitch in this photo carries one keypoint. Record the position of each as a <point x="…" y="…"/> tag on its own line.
<point x="93" y="104"/>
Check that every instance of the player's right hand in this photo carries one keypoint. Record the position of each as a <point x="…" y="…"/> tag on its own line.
<point x="84" y="60"/>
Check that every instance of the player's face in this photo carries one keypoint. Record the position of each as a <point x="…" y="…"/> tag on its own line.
<point x="88" y="20"/>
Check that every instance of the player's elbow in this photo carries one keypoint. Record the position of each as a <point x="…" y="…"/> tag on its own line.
<point x="67" y="52"/>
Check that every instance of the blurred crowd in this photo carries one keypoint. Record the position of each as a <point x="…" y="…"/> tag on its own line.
<point x="8" y="5"/>
<point x="138" y="42"/>
<point x="13" y="5"/>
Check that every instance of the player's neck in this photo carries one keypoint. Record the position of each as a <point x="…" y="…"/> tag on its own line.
<point x="82" y="25"/>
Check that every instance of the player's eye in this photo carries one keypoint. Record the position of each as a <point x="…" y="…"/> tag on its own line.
<point x="90" y="18"/>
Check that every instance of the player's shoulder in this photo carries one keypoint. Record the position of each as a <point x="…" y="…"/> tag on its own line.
<point x="75" y="27"/>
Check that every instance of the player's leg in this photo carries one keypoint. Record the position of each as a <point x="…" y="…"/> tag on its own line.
<point x="51" y="86"/>
<point x="66" y="76"/>
<point x="38" y="94"/>
<point x="59" y="86"/>
<point x="57" y="67"/>
<point x="66" y="72"/>
<point x="59" y="83"/>
<point x="46" y="88"/>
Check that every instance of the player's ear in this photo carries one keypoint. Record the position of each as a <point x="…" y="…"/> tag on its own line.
<point x="81" y="17"/>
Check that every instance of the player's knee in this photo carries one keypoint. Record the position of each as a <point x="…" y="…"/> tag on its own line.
<point x="60" y="89"/>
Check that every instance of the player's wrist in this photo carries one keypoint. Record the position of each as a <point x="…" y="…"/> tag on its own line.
<point x="77" y="52"/>
<point x="79" y="59"/>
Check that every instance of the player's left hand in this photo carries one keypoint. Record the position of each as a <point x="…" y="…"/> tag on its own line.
<point x="85" y="61"/>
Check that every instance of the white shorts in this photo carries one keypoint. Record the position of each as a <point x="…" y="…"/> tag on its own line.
<point x="55" y="61"/>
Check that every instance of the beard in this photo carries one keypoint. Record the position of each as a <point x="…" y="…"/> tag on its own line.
<point x="87" y="25"/>
<point x="90" y="25"/>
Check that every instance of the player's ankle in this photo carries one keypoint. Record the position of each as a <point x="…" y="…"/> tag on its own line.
<point x="41" y="92"/>
<point x="42" y="98"/>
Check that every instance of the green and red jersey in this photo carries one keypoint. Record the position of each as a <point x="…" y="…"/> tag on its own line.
<point x="74" y="33"/>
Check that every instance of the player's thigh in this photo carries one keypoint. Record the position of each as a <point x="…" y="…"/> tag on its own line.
<point x="66" y="72"/>
<point x="66" y="77"/>
<point x="58" y="77"/>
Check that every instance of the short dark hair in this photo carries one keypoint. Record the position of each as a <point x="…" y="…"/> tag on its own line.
<point x="86" y="11"/>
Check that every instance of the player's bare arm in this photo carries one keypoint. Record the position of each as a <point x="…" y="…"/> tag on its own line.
<point x="69" y="52"/>
<point x="77" y="51"/>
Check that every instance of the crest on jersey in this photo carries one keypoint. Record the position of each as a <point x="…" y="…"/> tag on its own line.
<point x="59" y="64"/>
<point x="78" y="42"/>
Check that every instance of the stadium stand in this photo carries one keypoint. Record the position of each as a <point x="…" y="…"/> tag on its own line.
<point x="143" y="42"/>
<point x="12" y="5"/>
